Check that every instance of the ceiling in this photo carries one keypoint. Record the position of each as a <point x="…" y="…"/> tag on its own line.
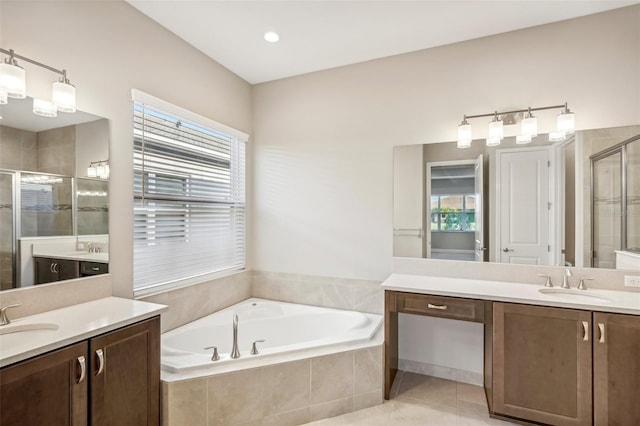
<point x="317" y="35"/>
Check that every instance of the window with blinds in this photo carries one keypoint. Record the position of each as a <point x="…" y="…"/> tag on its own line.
<point x="189" y="196"/>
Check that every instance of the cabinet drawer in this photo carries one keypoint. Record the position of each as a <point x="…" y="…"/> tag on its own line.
<point x="441" y="306"/>
<point x="93" y="268"/>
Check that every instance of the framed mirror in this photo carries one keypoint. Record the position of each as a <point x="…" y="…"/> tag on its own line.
<point x="54" y="195"/>
<point x="572" y="203"/>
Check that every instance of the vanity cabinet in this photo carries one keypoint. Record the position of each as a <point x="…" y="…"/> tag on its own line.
<point x="542" y="364"/>
<point x="49" y="270"/>
<point x="48" y="389"/>
<point x="120" y="384"/>
<point x="616" y="372"/>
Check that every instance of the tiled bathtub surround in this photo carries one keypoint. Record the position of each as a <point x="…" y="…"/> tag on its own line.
<point x="289" y="393"/>
<point x="189" y="303"/>
<point x="330" y="292"/>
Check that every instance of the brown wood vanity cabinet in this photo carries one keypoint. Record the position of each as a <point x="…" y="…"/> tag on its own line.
<point x="111" y="379"/>
<point x="565" y="367"/>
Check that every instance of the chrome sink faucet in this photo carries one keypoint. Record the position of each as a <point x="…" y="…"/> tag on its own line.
<point x="565" y="278"/>
<point x="235" y="353"/>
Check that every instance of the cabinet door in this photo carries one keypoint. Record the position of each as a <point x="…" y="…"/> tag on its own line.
<point x="125" y="375"/>
<point x="542" y="364"/>
<point x="67" y="269"/>
<point x="616" y="381"/>
<point x="44" y="271"/>
<point x="50" y="389"/>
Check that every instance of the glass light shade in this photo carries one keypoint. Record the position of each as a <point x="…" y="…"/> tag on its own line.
<point x="13" y="78"/>
<point x="3" y="96"/>
<point x="44" y="108"/>
<point x="464" y="135"/>
<point x="566" y="122"/>
<point x="529" y="127"/>
<point x="557" y="136"/>
<point x="464" y="144"/>
<point x="92" y="172"/>
<point x="100" y="170"/>
<point x="523" y="139"/>
<point x="496" y="130"/>
<point x="64" y="96"/>
<point x="491" y="141"/>
<point x="106" y="172"/>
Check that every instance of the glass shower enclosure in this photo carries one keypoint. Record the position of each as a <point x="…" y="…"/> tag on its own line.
<point x="615" y="202"/>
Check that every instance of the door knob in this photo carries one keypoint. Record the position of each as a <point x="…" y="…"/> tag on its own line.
<point x="506" y="250"/>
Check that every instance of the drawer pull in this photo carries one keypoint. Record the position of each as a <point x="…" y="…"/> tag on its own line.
<point x="100" y="356"/>
<point x="83" y="369"/>
<point x="602" y="338"/>
<point x="585" y="326"/>
<point x="95" y="268"/>
<point x="439" y="307"/>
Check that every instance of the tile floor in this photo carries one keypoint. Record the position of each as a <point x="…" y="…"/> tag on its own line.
<point x="423" y="400"/>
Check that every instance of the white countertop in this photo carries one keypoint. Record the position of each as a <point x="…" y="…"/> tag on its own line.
<point x="617" y="301"/>
<point x="76" y="255"/>
<point x="75" y="323"/>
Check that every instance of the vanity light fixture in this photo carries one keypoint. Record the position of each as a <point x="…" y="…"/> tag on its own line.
<point x="13" y="81"/>
<point x="99" y="169"/>
<point x="528" y="126"/>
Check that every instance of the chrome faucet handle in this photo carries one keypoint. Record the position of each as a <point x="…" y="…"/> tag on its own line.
<point x="254" y="350"/>
<point x="4" y="319"/>
<point x="215" y="356"/>
<point x="548" y="282"/>
<point x="581" y="285"/>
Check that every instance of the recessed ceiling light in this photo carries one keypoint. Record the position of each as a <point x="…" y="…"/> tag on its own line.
<point x="271" y="37"/>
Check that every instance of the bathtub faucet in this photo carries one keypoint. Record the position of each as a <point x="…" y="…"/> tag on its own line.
<point x="235" y="353"/>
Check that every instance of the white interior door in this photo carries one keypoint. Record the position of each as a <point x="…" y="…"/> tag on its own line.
<point x="524" y="206"/>
<point x="480" y="249"/>
<point x="408" y="206"/>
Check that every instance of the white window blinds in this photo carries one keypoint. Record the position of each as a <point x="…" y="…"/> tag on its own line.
<point x="189" y="196"/>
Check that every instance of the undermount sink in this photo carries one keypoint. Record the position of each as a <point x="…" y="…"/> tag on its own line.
<point x="16" y="328"/>
<point x="573" y="295"/>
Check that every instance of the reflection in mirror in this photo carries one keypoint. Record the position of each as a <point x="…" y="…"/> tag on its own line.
<point x="527" y="204"/>
<point x="51" y="213"/>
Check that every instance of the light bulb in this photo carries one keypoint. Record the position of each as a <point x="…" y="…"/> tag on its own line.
<point x="44" y="108"/>
<point x="13" y="78"/>
<point x="271" y="37"/>
<point x="529" y="126"/>
<point x="464" y="134"/>
<point x="64" y="96"/>
<point x="493" y="141"/>
<point x="496" y="129"/>
<point x="566" y="121"/>
<point x="523" y="139"/>
<point x="557" y="136"/>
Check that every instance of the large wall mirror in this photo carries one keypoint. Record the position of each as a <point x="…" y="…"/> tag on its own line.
<point x="570" y="203"/>
<point x="54" y="195"/>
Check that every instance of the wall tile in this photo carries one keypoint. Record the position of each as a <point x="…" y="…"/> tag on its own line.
<point x="331" y="377"/>
<point x="285" y="387"/>
<point x="185" y="403"/>
<point x="368" y="370"/>
<point x="235" y="398"/>
<point x="331" y="409"/>
<point x="366" y="400"/>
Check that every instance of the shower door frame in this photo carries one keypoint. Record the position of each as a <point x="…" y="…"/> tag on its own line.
<point x="622" y="149"/>
<point x="14" y="224"/>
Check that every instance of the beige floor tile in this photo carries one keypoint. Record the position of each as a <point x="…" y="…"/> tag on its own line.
<point x="428" y="389"/>
<point x="412" y="412"/>
<point x="471" y="393"/>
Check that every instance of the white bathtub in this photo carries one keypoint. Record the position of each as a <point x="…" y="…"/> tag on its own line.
<point x="285" y="327"/>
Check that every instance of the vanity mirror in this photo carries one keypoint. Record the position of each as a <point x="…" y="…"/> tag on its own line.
<point x="53" y="216"/>
<point x="574" y="202"/>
